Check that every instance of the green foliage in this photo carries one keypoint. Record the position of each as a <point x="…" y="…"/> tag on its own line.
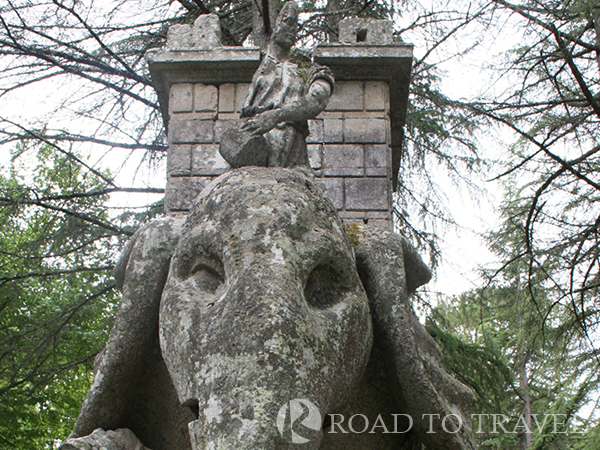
<point x="438" y="139"/>
<point x="57" y="297"/>
<point x="516" y="342"/>
<point x="552" y="106"/>
<point x="481" y="367"/>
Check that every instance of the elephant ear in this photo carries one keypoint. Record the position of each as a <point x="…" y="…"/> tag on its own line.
<point x="390" y="270"/>
<point x="141" y="274"/>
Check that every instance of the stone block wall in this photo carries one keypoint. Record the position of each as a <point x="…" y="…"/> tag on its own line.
<point x="349" y="145"/>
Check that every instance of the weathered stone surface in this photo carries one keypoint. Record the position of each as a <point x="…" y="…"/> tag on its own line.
<point x="191" y="131"/>
<point x="240" y="148"/>
<point x="227" y="98"/>
<point x="122" y="439"/>
<point x="182" y="99"/>
<point x="334" y="190"/>
<point x="262" y="304"/>
<point x="367" y="193"/>
<point x="377" y="96"/>
<point x="179" y="160"/>
<point x="231" y="99"/>
<point x="343" y="160"/>
<point x="377" y="160"/>
<point x="179" y="37"/>
<point x="352" y="218"/>
<point x="391" y="269"/>
<point x="355" y="30"/>
<point x="315" y="128"/>
<point x="333" y="130"/>
<point x="377" y="172"/>
<point x="207" y="160"/>
<point x="365" y="217"/>
<point x="204" y="34"/>
<point x="365" y="63"/>
<point x="221" y="126"/>
<point x="181" y="192"/>
<point x="368" y="131"/>
<point x="241" y="92"/>
<point x="132" y="388"/>
<point x="206" y="97"/>
<point x="281" y="99"/>
<point x="348" y="96"/>
<point x="315" y="156"/>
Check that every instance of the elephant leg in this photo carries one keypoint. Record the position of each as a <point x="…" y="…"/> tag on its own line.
<point x="141" y="272"/>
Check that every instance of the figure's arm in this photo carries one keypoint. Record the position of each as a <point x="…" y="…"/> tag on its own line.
<point x="307" y="107"/>
<point x="247" y="109"/>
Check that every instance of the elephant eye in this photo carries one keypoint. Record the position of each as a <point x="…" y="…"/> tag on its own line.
<point x="325" y="286"/>
<point x="206" y="277"/>
<point x="203" y="268"/>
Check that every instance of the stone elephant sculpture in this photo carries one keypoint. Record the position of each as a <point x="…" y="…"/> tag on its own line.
<point x="258" y="297"/>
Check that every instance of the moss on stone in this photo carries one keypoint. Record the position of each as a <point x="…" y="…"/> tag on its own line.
<point x="353" y="231"/>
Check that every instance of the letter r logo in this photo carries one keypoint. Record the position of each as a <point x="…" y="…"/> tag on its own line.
<point x="302" y="411"/>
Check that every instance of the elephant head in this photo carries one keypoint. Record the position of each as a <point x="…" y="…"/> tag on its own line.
<point x="255" y="298"/>
<point x="263" y="304"/>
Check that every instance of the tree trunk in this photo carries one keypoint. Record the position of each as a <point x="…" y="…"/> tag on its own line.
<point x="332" y="21"/>
<point x="264" y="14"/>
<point x="596" y="21"/>
<point x="526" y="438"/>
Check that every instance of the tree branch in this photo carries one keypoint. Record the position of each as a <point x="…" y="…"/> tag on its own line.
<point x="577" y="74"/>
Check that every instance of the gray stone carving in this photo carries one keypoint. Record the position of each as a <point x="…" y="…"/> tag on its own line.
<point x="355" y="30"/>
<point x="256" y="298"/>
<point x="204" y="34"/>
<point x="121" y="439"/>
<point x="283" y="95"/>
<point x="258" y="295"/>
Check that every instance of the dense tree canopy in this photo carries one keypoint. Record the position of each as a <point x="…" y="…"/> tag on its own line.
<point x="56" y="295"/>
<point x="551" y="103"/>
<point x="519" y="345"/>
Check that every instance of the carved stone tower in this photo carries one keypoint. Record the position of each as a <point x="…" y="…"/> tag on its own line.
<point x="354" y="145"/>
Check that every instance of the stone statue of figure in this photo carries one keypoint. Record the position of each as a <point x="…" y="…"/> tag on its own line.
<point x="282" y="96"/>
